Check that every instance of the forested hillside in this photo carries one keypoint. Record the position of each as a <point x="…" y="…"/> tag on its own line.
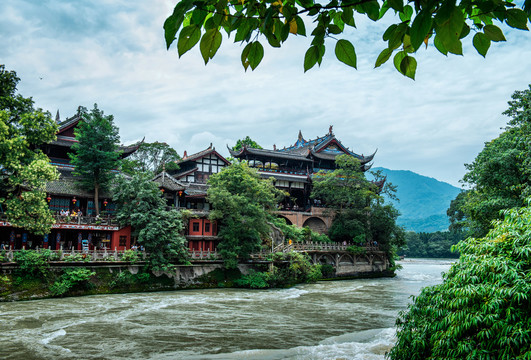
<point x="423" y="200"/>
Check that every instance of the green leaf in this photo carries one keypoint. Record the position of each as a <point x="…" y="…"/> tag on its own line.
<point x="383" y="57"/>
<point x="397" y="5"/>
<point x="408" y="66"/>
<point x="449" y="31"/>
<point x="439" y="45"/>
<point x="348" y="16"/>
<point x="188" y="37"/>
<point x="345" y="52"/>
<point x="481" y="43"/>
<point x="397" y="60"/>
<point x="516" y="18"/>
<point x="406" y="14"/>
<point x="420" y="28"/>
<point x="245" y="56"/>
<point x="334" y="29"/>
<point x="301" y="29"/>
<point x="372" y="9"/>
<point x="388" y="32"/>
<point x="311" y="57"/>
<point x="210" y="43"/>
<point x="243" y="30"/>
<point x="256" y="54"/>
<point x="171" y="26"/>
<point x="494" y="33"/>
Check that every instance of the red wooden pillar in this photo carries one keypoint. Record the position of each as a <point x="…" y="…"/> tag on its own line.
<point x="79" y="238"/>
<point x="12" y="239"/>
<point x="45" y="241"/>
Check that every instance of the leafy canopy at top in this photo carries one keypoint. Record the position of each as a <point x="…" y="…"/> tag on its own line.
<point x="443" y="23"/>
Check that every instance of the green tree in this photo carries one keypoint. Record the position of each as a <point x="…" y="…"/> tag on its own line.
<point x="246" y="142"/>
<point x="243" y="204"/>
<point x="482" y="310"/>
<point x="443" y="23"/>
<point x="500" y="176"/>
<point x="358" y="208"/>
<point x="96" y="152"/>
<point x="151" y="157"/>
<point x="24" y="169"/>
<point x="140" y="204"/>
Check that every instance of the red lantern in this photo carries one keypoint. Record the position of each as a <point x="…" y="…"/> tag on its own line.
<point x="180" y="193"/>
<point x="49" y="198"/>
<point x="105" y="202"/>
<point x="74" y="200"/>
<point x="162" y="190"/>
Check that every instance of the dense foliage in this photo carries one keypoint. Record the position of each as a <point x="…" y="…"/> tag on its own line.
<point x="443" y="23"/>
<point x="71" y="278"/>
<point x="96" y="152"/>
<point x="288" y="269"/>
<point x="140" y="204"/>
<point x="431" y="245"/>
<point x="243" y="203"/>
<point x="360" y="214"/>
<point x="247" y="141"/>
<point x="151" y="158"/>
<point x="482" y="310"/>
<point x="500" y="176"/>
<point x="25" y="170"/>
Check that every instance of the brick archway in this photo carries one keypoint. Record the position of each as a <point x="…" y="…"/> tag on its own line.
<point x="316" y="224"/>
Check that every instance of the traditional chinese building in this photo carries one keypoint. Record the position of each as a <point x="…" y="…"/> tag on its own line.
<point x="64" y="196"/>
<point x="292" y="167"/>
<point x="194" y="171"/>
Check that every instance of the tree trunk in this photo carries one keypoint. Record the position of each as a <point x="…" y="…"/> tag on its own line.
<point x="96" y="199"/>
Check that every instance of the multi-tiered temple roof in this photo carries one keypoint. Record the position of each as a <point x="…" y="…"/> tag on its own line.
<point x="305" y="155"/>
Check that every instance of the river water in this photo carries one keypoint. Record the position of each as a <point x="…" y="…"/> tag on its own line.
<point x="349" y="319"/>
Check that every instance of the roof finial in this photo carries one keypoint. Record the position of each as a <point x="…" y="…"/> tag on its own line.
<point x="210" y="147"/>
<point x="300" y="136"/>
<point x="185" y="155"/>
<point x="274" y="147"/>
<point x="57" y="117"/>
<point x="330" y="129"/>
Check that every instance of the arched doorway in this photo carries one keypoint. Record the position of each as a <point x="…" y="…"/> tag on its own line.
<point x="316" y="224"/>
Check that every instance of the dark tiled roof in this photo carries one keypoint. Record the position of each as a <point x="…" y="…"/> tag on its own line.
<point x="184" y="173"/>
<point x="202" y="154"/>
<point x="168" y="182"/>
<point x="66" y="186"/>
<point x="285" y="177"/>
<point x="269" y="153"/>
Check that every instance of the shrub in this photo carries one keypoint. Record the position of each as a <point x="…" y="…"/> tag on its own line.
<point x="482" y="310"/>
<point x="130" y="256"/>
<point x="32" y="264"/>
<point x="71" y="279"/>
<point x="356" y="250"/>
<point x="254" y="280"/>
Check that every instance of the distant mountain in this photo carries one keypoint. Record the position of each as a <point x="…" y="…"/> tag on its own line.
<point x="423" y="200"/>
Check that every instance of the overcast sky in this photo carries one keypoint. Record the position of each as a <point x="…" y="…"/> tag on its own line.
<point x="113" y="53"/>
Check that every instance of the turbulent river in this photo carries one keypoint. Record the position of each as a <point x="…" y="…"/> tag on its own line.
<point x="350" y="319"/>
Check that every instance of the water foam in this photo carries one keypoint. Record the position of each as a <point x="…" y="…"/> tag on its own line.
<point x="52" y="336"/>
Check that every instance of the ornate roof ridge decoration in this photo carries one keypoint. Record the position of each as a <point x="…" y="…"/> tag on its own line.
<point x="168" y="182"/>
<point x="266" y="152"/>
<point x="129" y="149"/>
<point x="201" y="154"/>
<point x="319" y="145"/>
